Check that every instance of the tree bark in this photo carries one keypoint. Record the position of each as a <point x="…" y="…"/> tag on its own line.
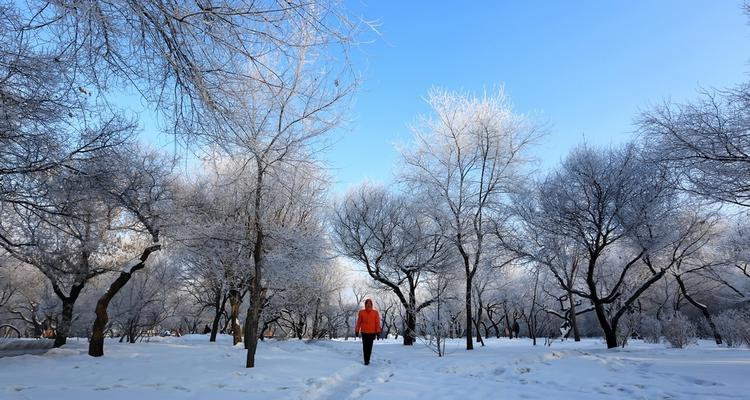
<point x="66" y="317"/>
<point x="702" y="307"/>
<point x="256" y="289"/>
<point x="610" y="335"/>
<point x="609" y="331"/>
<point x="411" y="319"/>
<point x="508" y="323"/>
<point x="469" y="333"/>
<point x="235" y="301"/>
<point x="251" y="327"/>
<point x="573" y="318"/>
<point x="479" y="319"/>
<point x="218" y="307"/>
<point x="96" y="345"/>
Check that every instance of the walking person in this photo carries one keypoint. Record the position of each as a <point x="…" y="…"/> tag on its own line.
<point x="368" y="324"/>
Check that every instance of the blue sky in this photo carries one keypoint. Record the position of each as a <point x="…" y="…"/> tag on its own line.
<point x="586" y="66"/>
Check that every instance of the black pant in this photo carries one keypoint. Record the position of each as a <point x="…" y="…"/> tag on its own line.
<point x="367" y="339"/>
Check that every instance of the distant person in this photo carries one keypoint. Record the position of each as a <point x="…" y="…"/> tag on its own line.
<point x="368" y="323"/>
<point x="516" y="329"/>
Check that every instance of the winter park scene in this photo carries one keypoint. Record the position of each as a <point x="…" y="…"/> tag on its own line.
<point x="360" y="199"/>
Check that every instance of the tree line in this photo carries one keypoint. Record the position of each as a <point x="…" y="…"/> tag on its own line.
<point x="104" y="236"/>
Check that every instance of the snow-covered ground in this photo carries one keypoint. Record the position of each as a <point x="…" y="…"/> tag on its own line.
<point x="192" y="368"/>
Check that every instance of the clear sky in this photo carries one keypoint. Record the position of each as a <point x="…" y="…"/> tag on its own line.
<point x="587" y="67"/>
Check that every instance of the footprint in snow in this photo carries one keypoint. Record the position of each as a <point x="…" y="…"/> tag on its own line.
<point x="523" y="370"/>
<point x="359" y="392"/>
<point x="700" y="382"/>
<point x="385" y="378"/>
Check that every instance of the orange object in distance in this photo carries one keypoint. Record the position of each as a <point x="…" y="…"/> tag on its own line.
<point x="368" y="320"/>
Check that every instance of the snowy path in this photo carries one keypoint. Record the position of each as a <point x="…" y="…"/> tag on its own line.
<point x="353" y="382"/>
<point x="192" y="368"/>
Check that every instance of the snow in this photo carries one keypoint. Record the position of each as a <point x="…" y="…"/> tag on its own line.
<point x="190" y="367"/>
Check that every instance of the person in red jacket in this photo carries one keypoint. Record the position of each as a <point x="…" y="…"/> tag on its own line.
<point x="368" y="323"/>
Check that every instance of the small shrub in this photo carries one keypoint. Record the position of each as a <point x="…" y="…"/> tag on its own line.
<point x="650" y="329"/>
<point x="679" y="331"/>
<point x="734" y="327"/>
<point x="628" y="328"/>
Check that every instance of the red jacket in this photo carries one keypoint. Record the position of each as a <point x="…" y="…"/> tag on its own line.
<point x="368" y="321"/>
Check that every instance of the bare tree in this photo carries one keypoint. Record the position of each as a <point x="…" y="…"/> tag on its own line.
<point x="46" y="122"/>
<point x="65" y="240"/>
<point x="395" y="242"/>
<point x="139" y="186"/>
<point x="434" y="323"/>
<point x="215" y="242"/>
<point x="706" y="142"/>
<point x="276" y="125"/>
<point x="468" y="158"/>
<point x="183" y="57"/>
<point x="144" y="304"/>
<point x="624" y="212"/>
<point x="561" y="254"/>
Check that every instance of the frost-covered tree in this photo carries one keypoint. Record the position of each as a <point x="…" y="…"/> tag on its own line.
<point x="306" y="306"/>
<point x="625" y="214"/>
<point x="66" y="240"/>
<point x="275" y="128"/>
<point x="27" y="304"/>
<point x="706" y="142"/>
<point x="138" y="185"/>
<point x="468" y="157"/>
<point x="183" y="57"/>
<point x="434" y="323"/>
<point x="397" y="243"/>
<point x="142" y="306"/>
<point x="48" y="120"/>
<point x="560" y="254"/>
<point x="250" y="78"/>
<point x="213" y="235"/>
<point x="220" y="232"/>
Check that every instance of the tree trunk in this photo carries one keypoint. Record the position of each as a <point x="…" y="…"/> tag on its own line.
<point x="411" y="320"/>
<point x="703" y="309"/>
<point x="486" y="330"/>
<point x="508" y="323"/>
<point x="316" y="320"/>
<point x="96" y="345"/>
<point x="218" y="308"/>
<point x="132" y="333"/>
<point x="256" y="289"/>
<point x="469" y="333"/>
<point x="478" y="319"/>
<point x="479" y="333"/>
<point x="610" y="334"/>
<point x="63" y="328"/>
<point x="410" y="328"/>
<point x="609" y="331"/>
<point x="251" y="327"/>
<point x="66" y="317"/>
<point x="573" y="318"/>
<point x="235" y="301"/>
